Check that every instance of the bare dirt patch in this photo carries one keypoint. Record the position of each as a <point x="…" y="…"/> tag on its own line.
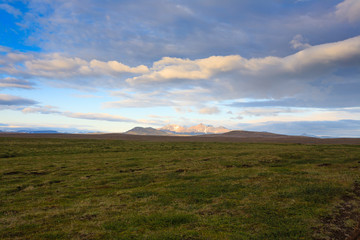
<point x="344" y="222"/>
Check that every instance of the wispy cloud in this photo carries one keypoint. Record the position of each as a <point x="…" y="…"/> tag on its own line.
<point x="159" y="98"/>
<point x="9" y="82"/>
<point x="43" y="110"/>
<point x="209" y="110"/>
<point x="260" y="112"/>
<point x="98" y="116"/>
<point x="299" y="42"/>
<point x="10" y="9"/>
<point x="87" y="116"/>
<point x="10" y="100"/>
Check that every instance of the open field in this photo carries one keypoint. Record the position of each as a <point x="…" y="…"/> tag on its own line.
<point x="58" y="188"/>
<point x="238" y="136"/>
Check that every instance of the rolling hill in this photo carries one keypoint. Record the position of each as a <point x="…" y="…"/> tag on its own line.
<point x="147" y="131"/>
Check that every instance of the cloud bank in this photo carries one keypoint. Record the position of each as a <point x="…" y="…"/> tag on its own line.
<point x="310" y="74"/>
<point x="340" y="128"/>
<point x="189" y="60"/>
<point x="348" y="10"/>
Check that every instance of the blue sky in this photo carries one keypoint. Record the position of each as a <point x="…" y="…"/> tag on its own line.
<point x="285" y="66"/>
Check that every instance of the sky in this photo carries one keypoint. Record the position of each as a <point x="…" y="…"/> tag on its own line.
<point x="283" y="66"/>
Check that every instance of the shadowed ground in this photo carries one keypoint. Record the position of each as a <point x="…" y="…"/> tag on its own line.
<point x="234" y="136"/>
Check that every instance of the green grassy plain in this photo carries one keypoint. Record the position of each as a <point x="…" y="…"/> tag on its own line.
<point x="107" y="189"/>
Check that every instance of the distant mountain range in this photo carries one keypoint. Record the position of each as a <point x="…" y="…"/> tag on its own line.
<point x="173" y="129"/>
<point x="147" y="131"/>
<point x="37" y="131"/>
<point x="49" y="131"/>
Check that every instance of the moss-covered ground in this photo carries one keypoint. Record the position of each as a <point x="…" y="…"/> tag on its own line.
<point x="104" y="189"/>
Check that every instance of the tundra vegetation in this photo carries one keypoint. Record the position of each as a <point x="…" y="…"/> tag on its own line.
<point x="111" y="189"/>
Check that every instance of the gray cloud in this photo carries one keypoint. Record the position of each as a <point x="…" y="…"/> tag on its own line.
<point x="341" y="128"/>
<point x="321" y="75"/>
<point x="142" y="32"/>
<point x="46" y="127"/>
<point x="9" y="82"/>
<point x="331" y="95"/>
<point x="170" y="49"/>
<point x="10" y="100"/>
<point x="309" y="76"/>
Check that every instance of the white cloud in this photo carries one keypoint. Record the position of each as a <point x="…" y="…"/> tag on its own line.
<point x="171" y="69"/>
<point x="43" y="110"/>
<point x="325" y="56"/>
<point x="98" y="116"/>
<point x="209" y="110"/>
<point x="299" y="42"/>
<point x="234" y="77"/>
<point x="58" y="66"/>
<point x="313" y="60"/>
<point x="116" y="67"/>
<point x="183" y="82"/>
<point x="348" y="10"/>
<point x="54" y="64"/>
